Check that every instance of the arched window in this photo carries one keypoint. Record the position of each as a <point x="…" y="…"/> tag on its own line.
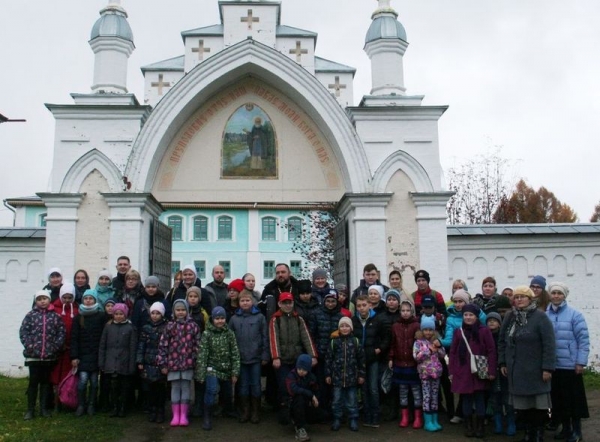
<point x="200" y="228"/>
<point x="175" y="222"/>
<point x="269" y="228"/>
<point x="294" y="228"/>
<point x="225" y="229"/>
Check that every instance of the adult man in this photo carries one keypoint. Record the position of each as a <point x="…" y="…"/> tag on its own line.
<point x="370" y="277"/>
<point x="217" y="287"/>
<point x="283" y="282"/>
<point x="422" y="279"/>
<point x="118" y="282"/>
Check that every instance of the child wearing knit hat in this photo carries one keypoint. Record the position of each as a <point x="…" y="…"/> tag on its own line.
<point x="117" y="357"/>
<point x="303" y="387"/>
<point x="429" y="352"/>
<point x="147" y="350"/>
<point x="345" y="371"/>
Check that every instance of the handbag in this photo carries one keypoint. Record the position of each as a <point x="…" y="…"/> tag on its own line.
<point x="479" y="363"/>
<point x="386" y="380"/>
<point x="67" y="389"/>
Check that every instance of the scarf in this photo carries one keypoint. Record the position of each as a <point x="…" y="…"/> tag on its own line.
<point x="88" y="311"/>
<point x="520" y="320"/>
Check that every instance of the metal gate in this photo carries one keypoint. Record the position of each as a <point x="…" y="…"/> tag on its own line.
<point x="160" y="253"/>
<point x="341" y="254"/>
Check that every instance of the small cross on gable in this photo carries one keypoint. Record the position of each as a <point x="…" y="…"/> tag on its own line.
<point x="250" y="19"/>
<point x="298" y="51"/>
<point x="337" y="86"/>
<point x="201" y="50"/>
<point x="160" y="84"/>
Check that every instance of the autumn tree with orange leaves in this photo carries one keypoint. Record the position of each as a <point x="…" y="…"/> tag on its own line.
<point x="529" y="206"/>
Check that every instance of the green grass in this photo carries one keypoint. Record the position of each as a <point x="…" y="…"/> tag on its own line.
<point x="62" y="427"/>
<point x="591" y="379"/>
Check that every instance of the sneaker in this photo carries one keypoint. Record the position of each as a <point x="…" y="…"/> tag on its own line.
<point x="456" y="420"/>
<point x="302" y="435"/>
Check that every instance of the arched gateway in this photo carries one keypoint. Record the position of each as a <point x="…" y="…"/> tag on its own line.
<point x="241" y="134"/>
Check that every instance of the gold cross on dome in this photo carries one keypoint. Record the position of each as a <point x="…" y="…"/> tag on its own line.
<point x="250" y="19"/>
<point x="337" y="86"/>
<point x="160" y="84"/>
<point x="201" y="50"/>
<point x="298" y="51"/>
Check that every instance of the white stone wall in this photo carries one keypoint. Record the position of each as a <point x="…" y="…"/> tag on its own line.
<point x="22" y="273"/>
<point x="514" y="259"/>
<point x="193" y="54"/>
<point x="262" y="30"/>
<point x="346" y="86"/>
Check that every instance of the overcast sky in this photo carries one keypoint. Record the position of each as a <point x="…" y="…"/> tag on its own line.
<point x="523" y="75"/>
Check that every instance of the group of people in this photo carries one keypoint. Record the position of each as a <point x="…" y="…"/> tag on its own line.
<point x="327" y="353"/>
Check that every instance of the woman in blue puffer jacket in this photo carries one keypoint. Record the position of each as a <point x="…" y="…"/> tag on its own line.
<point x="569" y="402"/>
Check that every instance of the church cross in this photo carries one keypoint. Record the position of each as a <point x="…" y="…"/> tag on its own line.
<point x="201" y="50"/>
<point x="160" y="84"/>
<point x="298" y="51"/>
<point x="250" y="19"/>
<point x="337" y="86"/>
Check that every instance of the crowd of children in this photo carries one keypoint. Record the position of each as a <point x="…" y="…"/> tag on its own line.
<point x="326" y="355"/>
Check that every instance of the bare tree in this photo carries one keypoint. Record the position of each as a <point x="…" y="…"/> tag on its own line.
<point x="479" y="185"/>
<point x="314" y="242"/>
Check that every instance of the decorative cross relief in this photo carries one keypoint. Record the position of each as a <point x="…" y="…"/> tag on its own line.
<point x="201" y="50"/>
<point x="337" y="86"/>
<point x="250" y="19"/>
<point x="298" y="51"/>
<point x="160" y="84"/>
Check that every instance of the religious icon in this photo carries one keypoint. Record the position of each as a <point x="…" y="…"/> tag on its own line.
<point x="249" y="146"/>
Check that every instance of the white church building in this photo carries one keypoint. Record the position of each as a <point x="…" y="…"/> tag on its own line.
<point x="246" y="132"/>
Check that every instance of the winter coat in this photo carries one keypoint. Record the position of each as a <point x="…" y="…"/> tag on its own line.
<point x="345" y="361"/>
<point x="289" y="338"/>
<point x="324" y="323"/>
<point x="106" y="292"/>
<point x="218" y="293"/>
<point x="42" y="333"/>
<point x="429" y="363"/>
<point x="319" y="293"/>
<point x="117" y="348"/>
<point x="453" y="322"/>
<point x="403" y="339"/>
<point x="387" y="320"/>
<point x="219" y="354"/>
<point x="85" y="339"/>
<point x="147" y="350"/>
<point x="369" y="335"/>
<point x="463" y="381"/>
<point x="54" y="292"/>
<point x="306" y="310"/>
<point x="440" y="304"/>
<point x="131" y="296"/>
<point x="363" y="289"/>
<point x="528" y="353"/>
<point x="572" y="336"/>
<point x="141" y="309"/>
<point x="178" y="345"/>
<point x="118" y="284"/>
<point x="79" y="291"/>
<point x="200" y="317"/>
<point x="487" y="305"/>
<point x="304" y="385"/>
<point x="250" y="329"/>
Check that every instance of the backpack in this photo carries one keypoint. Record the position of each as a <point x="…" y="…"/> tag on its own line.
<point x="67" y="389"/>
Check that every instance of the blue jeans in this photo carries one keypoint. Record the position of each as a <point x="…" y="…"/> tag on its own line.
<point x="250" y="380"/>
<point x="84" y="378"/>
<point x="215" y="385"/>
<point x="370" y="390"/>
<point x="281" y="374"/>
<point x="344" y="397"/>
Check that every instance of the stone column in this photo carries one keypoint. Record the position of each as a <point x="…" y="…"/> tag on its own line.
<point x="61" y="229"/>
<point x="131" y="218"/>
<point x="433" y="238"/>
<point x="366" y="231"/>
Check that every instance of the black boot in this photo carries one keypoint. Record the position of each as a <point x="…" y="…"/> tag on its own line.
<point x="152" y="414"/>
<point x="207" y="418"/>
<point x="31" y="399"/>
<point x="80" y="403"/>
<point x="160" y="414"/>
<point x="539" y="434"/>
<point x="44" y="397"/>
<point x="576" y="435"/>
<point x="254" y="409"/>
<point x="469" y="431"/>
<point x="244" y="409"/>
<point x="479" y="430"/>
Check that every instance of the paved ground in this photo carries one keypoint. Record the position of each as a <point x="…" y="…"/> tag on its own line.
<point x="225" y="429"/>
